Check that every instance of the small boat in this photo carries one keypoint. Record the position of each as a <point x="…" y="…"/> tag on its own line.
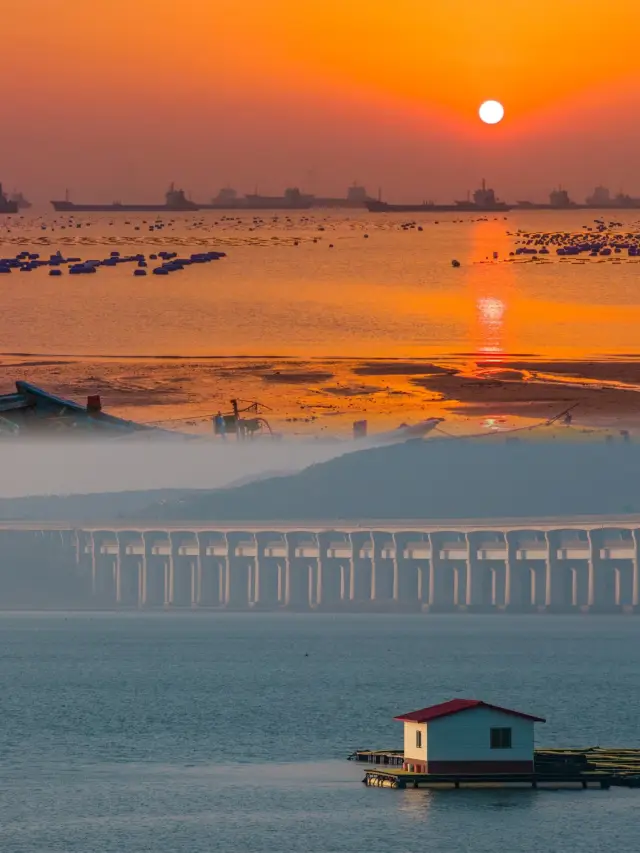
<point x="405" y="432"/>
<point x="19" y="199"/>
<point x="175" y="201"/>
<point x="7" y="205"/>
<point x="32" y="412"/>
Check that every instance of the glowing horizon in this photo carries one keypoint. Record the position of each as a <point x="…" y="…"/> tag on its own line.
<point x="126" y="97"/>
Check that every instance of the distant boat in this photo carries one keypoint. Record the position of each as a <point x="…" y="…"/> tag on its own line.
<point x="22" y="202"/>
<point x="430" y="207"/>
<point x="484" y="201"/>
<point x="228" y="199"/>
<point x="7" y="205"/>
<point x="175" y="201"/>
<point x="292" y="199"/>
<point x="600" y="199"/>
<point x="356" y="197"/>
<point x="406" y="432"/>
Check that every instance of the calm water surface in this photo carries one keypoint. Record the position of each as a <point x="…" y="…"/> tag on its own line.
<point x="379" y="291"/>
<point x="124" y="734"/>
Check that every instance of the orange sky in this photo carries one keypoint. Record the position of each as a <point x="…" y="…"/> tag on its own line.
<point x="116" y="98"/>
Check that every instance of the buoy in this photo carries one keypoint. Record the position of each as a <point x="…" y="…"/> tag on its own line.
<point x="455" y="263"/>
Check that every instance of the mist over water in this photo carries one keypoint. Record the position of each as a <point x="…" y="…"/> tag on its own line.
<point x="86" y="467"/>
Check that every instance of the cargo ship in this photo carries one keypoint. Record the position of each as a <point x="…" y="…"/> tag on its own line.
<point x="175" y="201"/>
<point x="484" y="201"/>
<point x="356" y="197"/>
<point x="228" y="199"/>
<point x="600" y="199"/>
<point x="7" y="205"/>
<point x="22" y="202"/>
<point x="292" y="199"/>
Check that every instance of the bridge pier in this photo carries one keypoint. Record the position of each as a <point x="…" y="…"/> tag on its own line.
<point x="550" y="566"/>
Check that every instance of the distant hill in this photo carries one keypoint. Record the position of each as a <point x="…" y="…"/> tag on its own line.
<point x="433" y="480"/>
<point x="103" y="506"/>
<point x="83" y="508"/>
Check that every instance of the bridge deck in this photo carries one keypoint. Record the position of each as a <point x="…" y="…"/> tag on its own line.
<point x="588" y="522"/>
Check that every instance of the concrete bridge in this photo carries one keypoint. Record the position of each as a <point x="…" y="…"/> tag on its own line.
<point x="522" y="565"/>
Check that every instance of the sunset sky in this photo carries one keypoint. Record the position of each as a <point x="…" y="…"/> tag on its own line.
<point x="115" y="98"/>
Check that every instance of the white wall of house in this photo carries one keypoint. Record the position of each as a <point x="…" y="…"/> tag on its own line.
<point x="466" y="736"/>
<point x="411" y="751"/>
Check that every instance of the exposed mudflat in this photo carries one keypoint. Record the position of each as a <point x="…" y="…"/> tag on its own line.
<point x="325" y="396"/>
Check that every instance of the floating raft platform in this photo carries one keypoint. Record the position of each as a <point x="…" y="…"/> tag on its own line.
<point x="593" y="767"/>
<point x="378" y="756"/>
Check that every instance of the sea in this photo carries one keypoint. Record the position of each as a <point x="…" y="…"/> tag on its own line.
<point x="318" y="283"/>
<point x="192" y="733"/>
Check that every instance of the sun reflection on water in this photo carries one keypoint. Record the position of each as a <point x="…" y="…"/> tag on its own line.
<point x="489" y="284"/>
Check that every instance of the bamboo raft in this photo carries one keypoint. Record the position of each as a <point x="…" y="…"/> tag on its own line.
<point x="593" y="767"/>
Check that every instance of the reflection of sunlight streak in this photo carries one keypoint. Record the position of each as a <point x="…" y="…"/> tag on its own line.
<point x="489" y="288"/>
<point x="425" y="804"/>
<point x="491" y="313"/>
<point x="491" y="310"/>
<point x="494" y="424"/>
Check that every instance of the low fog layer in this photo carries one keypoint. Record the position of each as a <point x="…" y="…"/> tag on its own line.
<point x="63" y="468"/>
<point x="434" y="480"/>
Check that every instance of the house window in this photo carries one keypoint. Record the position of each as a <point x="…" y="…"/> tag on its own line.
<point x="500" y="738"/>
<point x="418" y="740"/>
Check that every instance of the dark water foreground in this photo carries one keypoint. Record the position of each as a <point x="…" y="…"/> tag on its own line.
<point x="123" y="734"/>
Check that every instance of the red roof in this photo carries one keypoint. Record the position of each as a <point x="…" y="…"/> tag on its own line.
<point x="454" y="706"/>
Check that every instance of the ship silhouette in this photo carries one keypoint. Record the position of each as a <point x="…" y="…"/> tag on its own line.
<point x="175" y="201"/>
<point x="292" y="199"/>
<point x="19" y="199"/>
<point x="484" y="201"/>
<point x="7" y="205"/>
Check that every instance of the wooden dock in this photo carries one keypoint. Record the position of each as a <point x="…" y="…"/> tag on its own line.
<point x="594" y="767"/>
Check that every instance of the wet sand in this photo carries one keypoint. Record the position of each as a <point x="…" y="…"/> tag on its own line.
<point x="323" y="397"/>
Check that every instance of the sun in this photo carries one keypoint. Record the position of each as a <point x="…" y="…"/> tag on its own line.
<point x="491" y="112"/>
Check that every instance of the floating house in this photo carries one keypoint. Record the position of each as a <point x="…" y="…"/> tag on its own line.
<point x="468" y="736"/>
<point x="467" y="743"/>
